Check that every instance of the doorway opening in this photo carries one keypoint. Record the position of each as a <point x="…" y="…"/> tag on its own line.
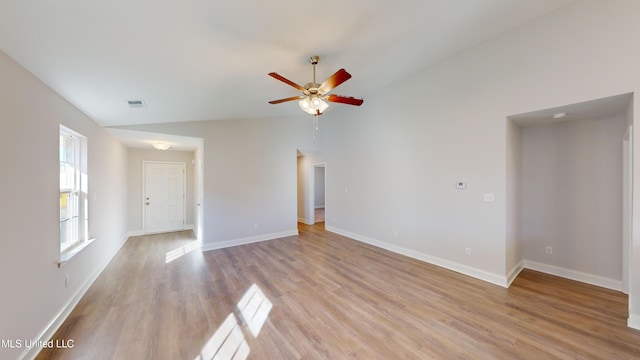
<point x="318" y="189"/>
<point x="311" y="188"/>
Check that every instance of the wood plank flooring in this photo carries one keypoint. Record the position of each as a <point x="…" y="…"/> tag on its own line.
<point x="335" y="298"/>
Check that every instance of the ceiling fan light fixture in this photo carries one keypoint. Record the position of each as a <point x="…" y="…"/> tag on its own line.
<point x="322" y="106"/>
<point x="305" y="104"/>
<point x="313" y="105"/>
<point x="314" y="100"/>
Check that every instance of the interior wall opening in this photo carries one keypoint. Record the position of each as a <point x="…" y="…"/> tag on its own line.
<point x="570" y="195"/>
<point x="311" y="187"/>
<point x="318" y="193"/>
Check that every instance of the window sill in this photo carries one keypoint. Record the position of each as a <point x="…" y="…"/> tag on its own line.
<point x="68" y="254"/>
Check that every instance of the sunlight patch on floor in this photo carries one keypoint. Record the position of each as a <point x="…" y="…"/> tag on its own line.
<point x="253" y="309"/>
<point x="227" y="343"/>
<point x="181" y="251"/>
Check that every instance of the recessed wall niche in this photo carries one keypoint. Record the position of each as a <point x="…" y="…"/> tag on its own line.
<point x="568" y="190"/>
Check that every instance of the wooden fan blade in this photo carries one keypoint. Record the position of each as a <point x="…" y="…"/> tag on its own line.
<point x="286" y="81"/>
<point x="287" y="99"/>
<point x="345" y="100"/>
<point x="334" y="80"/>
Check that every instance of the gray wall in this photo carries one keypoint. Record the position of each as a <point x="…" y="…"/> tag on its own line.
<point x="249" y="175"/>
<point x="395" y="160"/>
<point x="34" y="298"/>
<point x="136" y="157"/>
<point x="572" y="195"/>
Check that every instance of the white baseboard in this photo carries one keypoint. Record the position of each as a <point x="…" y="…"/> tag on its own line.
<point x="141" y="232"/>
<point x="305" y="221"/>
<point x="56" y="322"/>
<point x="574" y="275"/>
<point x="634" y="321"/>
<point x="513" y="274"/>
<point x="248" y="240"/>
<point x="447" y="264"/>
<point x="135" y="233"/>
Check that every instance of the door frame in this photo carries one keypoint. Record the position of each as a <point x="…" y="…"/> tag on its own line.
<point x="144" y="190"/>
<point x="627" y="203"/>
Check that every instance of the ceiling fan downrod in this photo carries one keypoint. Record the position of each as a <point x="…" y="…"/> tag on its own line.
<point x="314" y="61"/>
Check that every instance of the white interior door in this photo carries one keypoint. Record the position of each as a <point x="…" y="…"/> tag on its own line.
<point x="164" y="196"/>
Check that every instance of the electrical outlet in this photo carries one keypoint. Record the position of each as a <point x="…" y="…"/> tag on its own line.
<point x="467" y="251"/>
<point x="548" y="250"/>
<point x="66" y="280"/>
<point x="489" y="197"/>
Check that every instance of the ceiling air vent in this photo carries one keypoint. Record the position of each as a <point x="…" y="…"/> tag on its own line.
<point x="136" y="103"/>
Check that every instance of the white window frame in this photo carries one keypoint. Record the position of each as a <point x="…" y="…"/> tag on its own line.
<point x="74" y="194"/>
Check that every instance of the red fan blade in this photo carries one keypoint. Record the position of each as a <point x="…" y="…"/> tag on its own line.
<point x="334" y="80"/>
<point x="286" y="81"/>
<point x="287" y="99"/>
<point x="345" y="100"/>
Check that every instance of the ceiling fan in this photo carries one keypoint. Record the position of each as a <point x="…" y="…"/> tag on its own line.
<point x="316" y="95"/>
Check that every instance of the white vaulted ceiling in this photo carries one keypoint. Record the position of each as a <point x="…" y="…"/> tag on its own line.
<point x="195" y="60"/>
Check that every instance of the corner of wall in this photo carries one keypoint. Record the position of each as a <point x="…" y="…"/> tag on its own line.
<point x="634" y="321"/>
<point x="513" y="274"/>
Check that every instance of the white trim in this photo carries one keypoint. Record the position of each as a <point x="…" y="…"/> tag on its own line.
<point x="56" y="322"/>
<point x="73" y="251"/>
<point x="141" y="233"/>
<point x="513" y="274"/>
<point x="135" y="233"/>
<point x="447" y="264"/>
<point x="627" y="212"/>
<point x="248" y="240"/>
<point x="305" y="221"/>
<point x="574" y="275"/>
<point x="634" y="321"/>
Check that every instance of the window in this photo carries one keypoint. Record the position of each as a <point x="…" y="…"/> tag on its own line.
<point x="74" y="211"/>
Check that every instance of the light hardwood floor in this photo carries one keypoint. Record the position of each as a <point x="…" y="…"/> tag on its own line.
<point x="336" y="298"/>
